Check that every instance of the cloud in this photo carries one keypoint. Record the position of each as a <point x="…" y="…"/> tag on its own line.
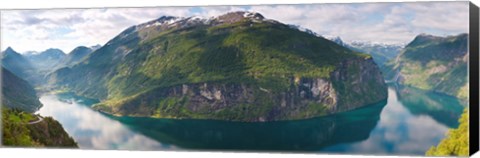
<point x="376" y="22"/>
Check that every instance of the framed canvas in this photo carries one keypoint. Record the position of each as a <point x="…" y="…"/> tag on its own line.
<point x="350" y="78"/>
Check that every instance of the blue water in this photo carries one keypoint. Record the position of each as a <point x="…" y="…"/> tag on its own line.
<point x="409" y="122"/>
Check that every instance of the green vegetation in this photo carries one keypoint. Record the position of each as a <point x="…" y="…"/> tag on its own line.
<point x="443" y="108"/>
<point x="18" y="93"/>
<point x="17" y="132"/>
<point x="456" y="141"/>
<point x="434" y="63"/>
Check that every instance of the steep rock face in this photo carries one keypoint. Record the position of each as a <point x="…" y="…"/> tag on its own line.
<point x="359" y="82"/>
<point x="354" y="84"/>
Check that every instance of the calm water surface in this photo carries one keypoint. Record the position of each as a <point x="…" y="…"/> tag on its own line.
<point x="408" y="123"/>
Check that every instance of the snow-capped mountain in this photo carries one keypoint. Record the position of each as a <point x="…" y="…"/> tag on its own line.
<point x="381" y="52"/>
<point x="300" y="28"/>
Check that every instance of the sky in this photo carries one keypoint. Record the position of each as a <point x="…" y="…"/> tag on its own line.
<point x="394" y="23"/>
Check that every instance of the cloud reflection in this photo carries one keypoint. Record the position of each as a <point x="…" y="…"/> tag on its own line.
<point x="92" y="130"/>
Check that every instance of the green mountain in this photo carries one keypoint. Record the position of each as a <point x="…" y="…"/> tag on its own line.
<point x="237" y="66"/>
<point x="434" y="63"/>
<point x="75" y="56"/>
<point x="45" y="61"/>
<point x="18" y="93"/>
<point x="18" y="65"/>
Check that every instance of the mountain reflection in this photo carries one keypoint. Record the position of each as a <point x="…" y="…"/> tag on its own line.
<point x="300" y="135"/>
<point x="442" y="108"/>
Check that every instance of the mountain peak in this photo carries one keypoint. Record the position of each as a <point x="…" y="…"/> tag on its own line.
<point x="53" y="51"/>
<point x="9" y="49"/>
<point x="232" y="17"/>
<point x="421" y="38"/>
<point x="160" y="21"/>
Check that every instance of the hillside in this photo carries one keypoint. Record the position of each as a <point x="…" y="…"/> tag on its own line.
<point x="16" y="132"/>
<point x="434" y="63"/>
<point x="17" y="93"/>
<point x="75" y="56"/>
<point x="46" y="60"/>
<point x="237" y="66"/>
<point x="19" y="101"/>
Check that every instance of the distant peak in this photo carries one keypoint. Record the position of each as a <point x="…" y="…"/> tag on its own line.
<point x="9" y="49"/>
<point x="53" y="51"/>
<point x="423" y="38"/>
<point x="80" y="47"/>
<point x="424" y="35"/>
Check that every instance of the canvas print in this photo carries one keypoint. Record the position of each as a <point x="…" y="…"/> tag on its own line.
<point x="358" y="78"/>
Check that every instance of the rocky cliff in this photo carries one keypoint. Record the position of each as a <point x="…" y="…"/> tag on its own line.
<point x="355" y="83"/>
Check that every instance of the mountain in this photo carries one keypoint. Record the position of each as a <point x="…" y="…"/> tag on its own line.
<point x="381" y="53"/>
<point x="238" y="66"/>
<point x="75" y="56"/>
<point x="18" y="93"/>
<point x="18" y="65"/>
<point x="45" y="61"/>
<point x="95" y="47"/>
<point x="434" y="63"/>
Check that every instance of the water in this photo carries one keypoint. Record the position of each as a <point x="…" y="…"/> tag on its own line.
<point x="408" y="123"/>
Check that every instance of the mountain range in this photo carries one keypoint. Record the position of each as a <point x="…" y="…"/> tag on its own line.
<point x="381" y="52"/>
<point x="46" y="60"/>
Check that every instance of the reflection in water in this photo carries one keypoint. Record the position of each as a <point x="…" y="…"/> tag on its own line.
<point x="444" y="109"/>
<point x="304" y="135"/>
<point x="407" y="125"/>
<point x="399" y="131"/>
<point x="92" y="130"/>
